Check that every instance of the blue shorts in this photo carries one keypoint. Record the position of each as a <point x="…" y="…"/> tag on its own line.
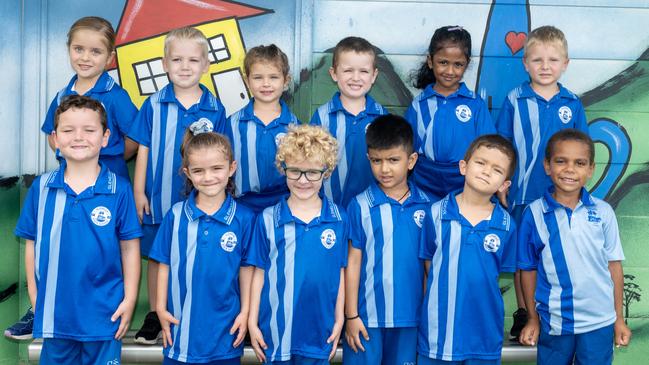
<point x="424" y="360"/>
<point x="299" y="360"/>
<point x="386" y="346"/>
<point x="232" y="361"/>
<point x="58" y="351"/>
<point x="594" y="347"/>
<point x="149" y="232"/>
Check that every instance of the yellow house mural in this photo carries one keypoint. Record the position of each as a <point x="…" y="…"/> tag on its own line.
<point x="140" y="45"/>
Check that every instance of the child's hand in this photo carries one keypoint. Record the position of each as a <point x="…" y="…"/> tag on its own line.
<point x="257" y="342"/>
<point x="530" y="333"/>
<point x="622" y="333"/>
<point x="166" y="319"/>
<point x="353" y="329"/>
<point x="241" y="325"/>
<point x="141" y="205"/>
<point x="335" y="336"/>
<point x="125" y="313"/>
<point x="502" y="197"/>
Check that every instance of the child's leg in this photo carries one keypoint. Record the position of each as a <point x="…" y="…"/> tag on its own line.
<point x="520" y="315"/>
<point x="595" y="347"/>
<point x="151" y="283"/>
<point x="373" y="349"/>
<point x="60" y="352"/>
<point x="151" y="329"/>
<point x="400" y="346"/>
<point x="555" y="350"/>
<point x="101" y="352"/>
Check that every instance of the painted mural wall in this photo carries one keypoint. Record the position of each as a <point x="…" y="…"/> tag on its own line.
<point x="609" y="69"/>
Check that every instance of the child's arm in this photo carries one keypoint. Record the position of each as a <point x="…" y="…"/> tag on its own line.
<point x="139" y="181"/>
<point x="622" y="331"/>
<point x="29" y="272"/>
<point x="131" y="270"/>
<point x="353" y="323"/>
<point x="340" y="316"/>
<point x="130" y="148"/>
<point x="256" y="337"/>
<point x="530" y="333"/>
<point x="164" y="316"/>
<point x="241" y="322"/>
<point x="426" y="269"/>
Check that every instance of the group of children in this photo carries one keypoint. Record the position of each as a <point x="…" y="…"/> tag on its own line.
<point x="295" y="235"/>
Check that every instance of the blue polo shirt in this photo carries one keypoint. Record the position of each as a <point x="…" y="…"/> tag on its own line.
<point x="258" y="182"/>
<point x="302" y="263"/>
<point x="160" y="125"/>
<point x="462" y="313"/>
<point x="120" y="112"/>
<point x="570" y="250"/>
<point x="528" y="120"/>
<point x="349" y="130"/>
<point x="204" y="253"/>
<point x="444" y="128"/>
<point x="77" y="255"/>
<point x="387" y="233"/>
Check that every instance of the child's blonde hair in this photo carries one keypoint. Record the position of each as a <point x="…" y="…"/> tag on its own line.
<point x="270" y="54"/>
<point x="97" y="24"/>
<point x="308" y="143"/>
<point x="192" y="143"/>
<point x="186" y="33"/>
<point x="547" y="34"/>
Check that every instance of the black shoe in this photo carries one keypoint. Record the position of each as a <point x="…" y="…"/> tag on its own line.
<point x="22" y="330"/>
<point x="520" y="320"/>
<point x="150" y="331"/>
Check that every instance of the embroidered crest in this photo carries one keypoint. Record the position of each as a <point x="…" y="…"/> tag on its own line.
<point x="565" y="114"/>
<point x="229" y="241"/>
<point x="418" y="217"/>
<point x="491" y="242"/>
<point x="592" y="216"/>
<point x="100" y="216"/>
<point x="278" y="138"/>
<point x="328" y="238"/>
<point x="463" y="113"/>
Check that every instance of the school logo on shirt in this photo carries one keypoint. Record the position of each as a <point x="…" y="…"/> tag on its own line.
<point x="278" y="138"/>
<point x="328" y="238"/>
<point x="113" y="362"/>
<point x="491" y="242"/>
<point x="592" y="216"/>
<point x="565" y="114"/>
<point x="418" y="217"/>
<point x="463" y="113"/>
<point x="229" y="241"/>
<point x="100" y="216"/>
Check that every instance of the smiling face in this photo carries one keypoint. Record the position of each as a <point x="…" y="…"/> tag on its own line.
<point x="390" y="167"/>
<point x="185" y="63"/>
<point x="89" y="55"/>
<point x="354" y="74"/>
<point x="448" y="65"/>
<point x="266" y="82"/>
<point x="486" y="171"/>
<point x="302" y="189"/>
<point x="209" y="170"/>
<point x="79" y="135"/>
<point x="569" y="167"/>
<point x="545" y="63"/>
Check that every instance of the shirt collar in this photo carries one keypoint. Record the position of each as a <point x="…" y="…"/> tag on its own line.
<point x="103" y="84"/>
<point x="207" y="101"/>
<point x="328" y="213"/>
<point x="463" y="90"/>
<point x="376" y="196"/>
<point x="550" y="204"/>
<point x="105" y="184"/>
<point x="371" y="106"/>
<point x="224" y="214"/>
<point x="286" y="117"/>
<point x="500" y="219"/>
<point x="528" y="92"/>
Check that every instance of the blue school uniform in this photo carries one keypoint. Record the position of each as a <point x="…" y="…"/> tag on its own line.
<point x="77" y="256"/>
<point x="349" y="130"/>
<point x="570" y="250"/>
<point x="444" y="128"/>
<point x="204" y="253"/>
<point x="528" y="120"/>
<point x="463" y="311"/>
<point x="120" y="112"/>
<point x="302" y="263"/>
<point x="258" y="182"/>
<point x="160" y="125"/>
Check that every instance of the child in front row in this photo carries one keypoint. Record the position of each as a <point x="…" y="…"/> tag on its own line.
<point x="256" y="130"/>
<point x="446" y="116"/>
<point x="383" y="278"/>
<point x="81" y="252"/>
<point x="159" y="129"/>
<point x="530" y="115"/>
<point x="467" y="240"/>
<point x="347" y="115"/>
<point x="202" y="250"/>
<point x="299" y="248"/>
<point x="570" y="253"/>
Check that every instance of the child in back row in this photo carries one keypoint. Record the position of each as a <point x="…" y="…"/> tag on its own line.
<point x="570" y="254"/>
<point x="159" y="129"/>
<point x="467" y="240"/>
<point x="81" y="251"/>
<point x="347" y="115"/>
<point x="299" y="248"/>
<point x="530" y="115"/>
<point x="383" y="278"/>
<point x="204" y="315"/>
<point x="446" y="116"/>
<point x="256" y="130"/>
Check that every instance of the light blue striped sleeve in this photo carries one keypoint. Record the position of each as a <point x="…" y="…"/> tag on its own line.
<point x="26" y="227"/>
<point x="505" y="121"/>
<point x="427" y="237"/>
<point x="161" y="247"/>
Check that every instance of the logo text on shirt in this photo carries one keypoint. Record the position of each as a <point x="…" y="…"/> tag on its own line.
<point x="328" y="238"/>
<point x="418" y="217"/>
<point x="565" y="114"/>
<point x="100" y="216"/>
<point x="491" y="242"/>
<point x="592" y="216"/>
<point x="229" y="241"/>
<point x="463" y="113"/>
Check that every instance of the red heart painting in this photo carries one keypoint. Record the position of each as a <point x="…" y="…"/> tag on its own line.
<point x="515" y="41"/>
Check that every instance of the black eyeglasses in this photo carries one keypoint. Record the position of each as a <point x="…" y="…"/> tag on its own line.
<point x="293" y="173"/>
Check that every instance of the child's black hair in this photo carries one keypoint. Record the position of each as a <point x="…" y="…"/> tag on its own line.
<point x="389" y="131"/>
<point x="570" y="134"/>
<point x="450" y="35"/>
<point x="498" y="142"/>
